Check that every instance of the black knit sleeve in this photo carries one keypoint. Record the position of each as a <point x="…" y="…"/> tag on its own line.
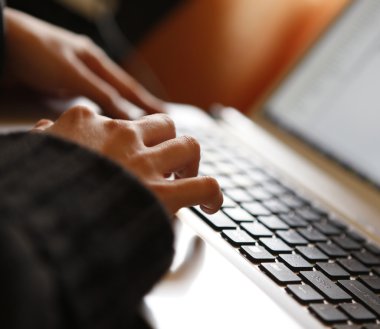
<point x="81" y="240"/>
<point x="2" y="37"/>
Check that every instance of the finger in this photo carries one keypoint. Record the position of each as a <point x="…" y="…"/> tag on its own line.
<point x="43" y="125"/>
<point x="203" y="191"/>
<point x="127" y="87"/>
<point x="180" y="156"/>
<point x="156" y="128"/>
<point x="90" y="85"/>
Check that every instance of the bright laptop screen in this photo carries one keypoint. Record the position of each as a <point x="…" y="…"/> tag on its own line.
<point x="332" y="99"/>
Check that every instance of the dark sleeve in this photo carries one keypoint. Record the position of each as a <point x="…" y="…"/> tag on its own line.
<point x="81" y="240"/>
<point x="2" y="38"/>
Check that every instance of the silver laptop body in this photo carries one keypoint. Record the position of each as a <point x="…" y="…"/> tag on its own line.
<point x="317" y="134"/>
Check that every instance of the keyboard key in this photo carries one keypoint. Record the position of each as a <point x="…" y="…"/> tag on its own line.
<point x="328" y="313"/>
<point x="295" y="262"/>
<point x="325" y="286"/>
<point x="355" y="236"/>
<point x="280" y="273"/>
<point x="259" y="176"/>
<point x="346" y="243"/>
<point x="226" y="168"/>
<point x="312" y="254"/>
<point x="218" y="221"/>
<point x="371" y="326"/>
<point x="223" y="181"/>
<point x="257" y="254"/>
<point x="275" y="188"/>
<point x="333" y="271"/>
<point x="366" y="258"/>
<point x="347" y="326"/>
<point x="275" y="246"/>
<point x="238" y="194"/>
<point x="256" y="209"/>
<point x="292" y="201"/>
<point x="362" y="294"/>
<point x="241" y="180"/>
<point x="243" y="163"/>
<point x="337" y="222"/>
<point x="206" y="170"/>
<point x="276" y="207"/>
<point x="331" y="249"/>
<point x="258" y="193"/>
<point x="273" y="222"/>
<point x="292" y="238"/>
<point x="376" y="270"/>
<point x="357" y="312"/>
<point x="237" y="237"/>
<point x="293" y="220"/>
<point x="373" y="248"/>
<point x="256" y="230"/>
<point x="304" y="293"/>
<point x="353" y="266"/>
<point x="238" y="215"/>
<point x="309" y="214"/>
<point x="327" y="228"/>
<point x="312" y="235"/>
<point x="228" y="202"/>
<point x="371" y="281"/>
<point x="209" y="158"/>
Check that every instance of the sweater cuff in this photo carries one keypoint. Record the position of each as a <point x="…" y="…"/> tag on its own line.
<point x="106" y="237"/>
<point x="2" y="37"/>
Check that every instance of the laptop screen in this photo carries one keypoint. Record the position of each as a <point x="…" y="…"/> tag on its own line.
<point x="332" y="99"/>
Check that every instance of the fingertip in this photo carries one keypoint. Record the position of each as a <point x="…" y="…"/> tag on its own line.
<point x="216" y="204"/>
<point x="213" y="187"/>
<point x="221" y="199"/>
<point x="43" y="124"/>
<point x="208" y="210"/>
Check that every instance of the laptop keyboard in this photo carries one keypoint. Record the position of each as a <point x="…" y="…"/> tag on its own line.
<point x="324" y="265"/>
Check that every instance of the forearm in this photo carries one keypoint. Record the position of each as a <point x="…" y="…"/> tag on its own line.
<point x="23" y="39"/>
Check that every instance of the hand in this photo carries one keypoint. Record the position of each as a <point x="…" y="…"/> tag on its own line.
<point x="147" y="147"/>
<point x="50" y="59"/>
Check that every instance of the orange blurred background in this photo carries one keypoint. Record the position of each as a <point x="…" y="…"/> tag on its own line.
<point x="231" y="51"/>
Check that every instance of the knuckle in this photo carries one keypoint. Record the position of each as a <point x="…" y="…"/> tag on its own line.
<point x="131" y="132"/>
<point x="125" y="129"/>
<point x="168" y="122"/>
<point x="112" y="125"/>
<point x="43" y="122"/>
<point x="85" y="40"/>
<point x="78" y="112"/>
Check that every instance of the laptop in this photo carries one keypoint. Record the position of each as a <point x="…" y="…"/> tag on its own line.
<point x="296" y="243"/>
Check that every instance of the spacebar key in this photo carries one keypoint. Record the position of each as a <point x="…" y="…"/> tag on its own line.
<point x="362" y="293"/>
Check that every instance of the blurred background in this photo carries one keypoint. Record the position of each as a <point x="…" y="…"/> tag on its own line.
<point x="198" y="51"/>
